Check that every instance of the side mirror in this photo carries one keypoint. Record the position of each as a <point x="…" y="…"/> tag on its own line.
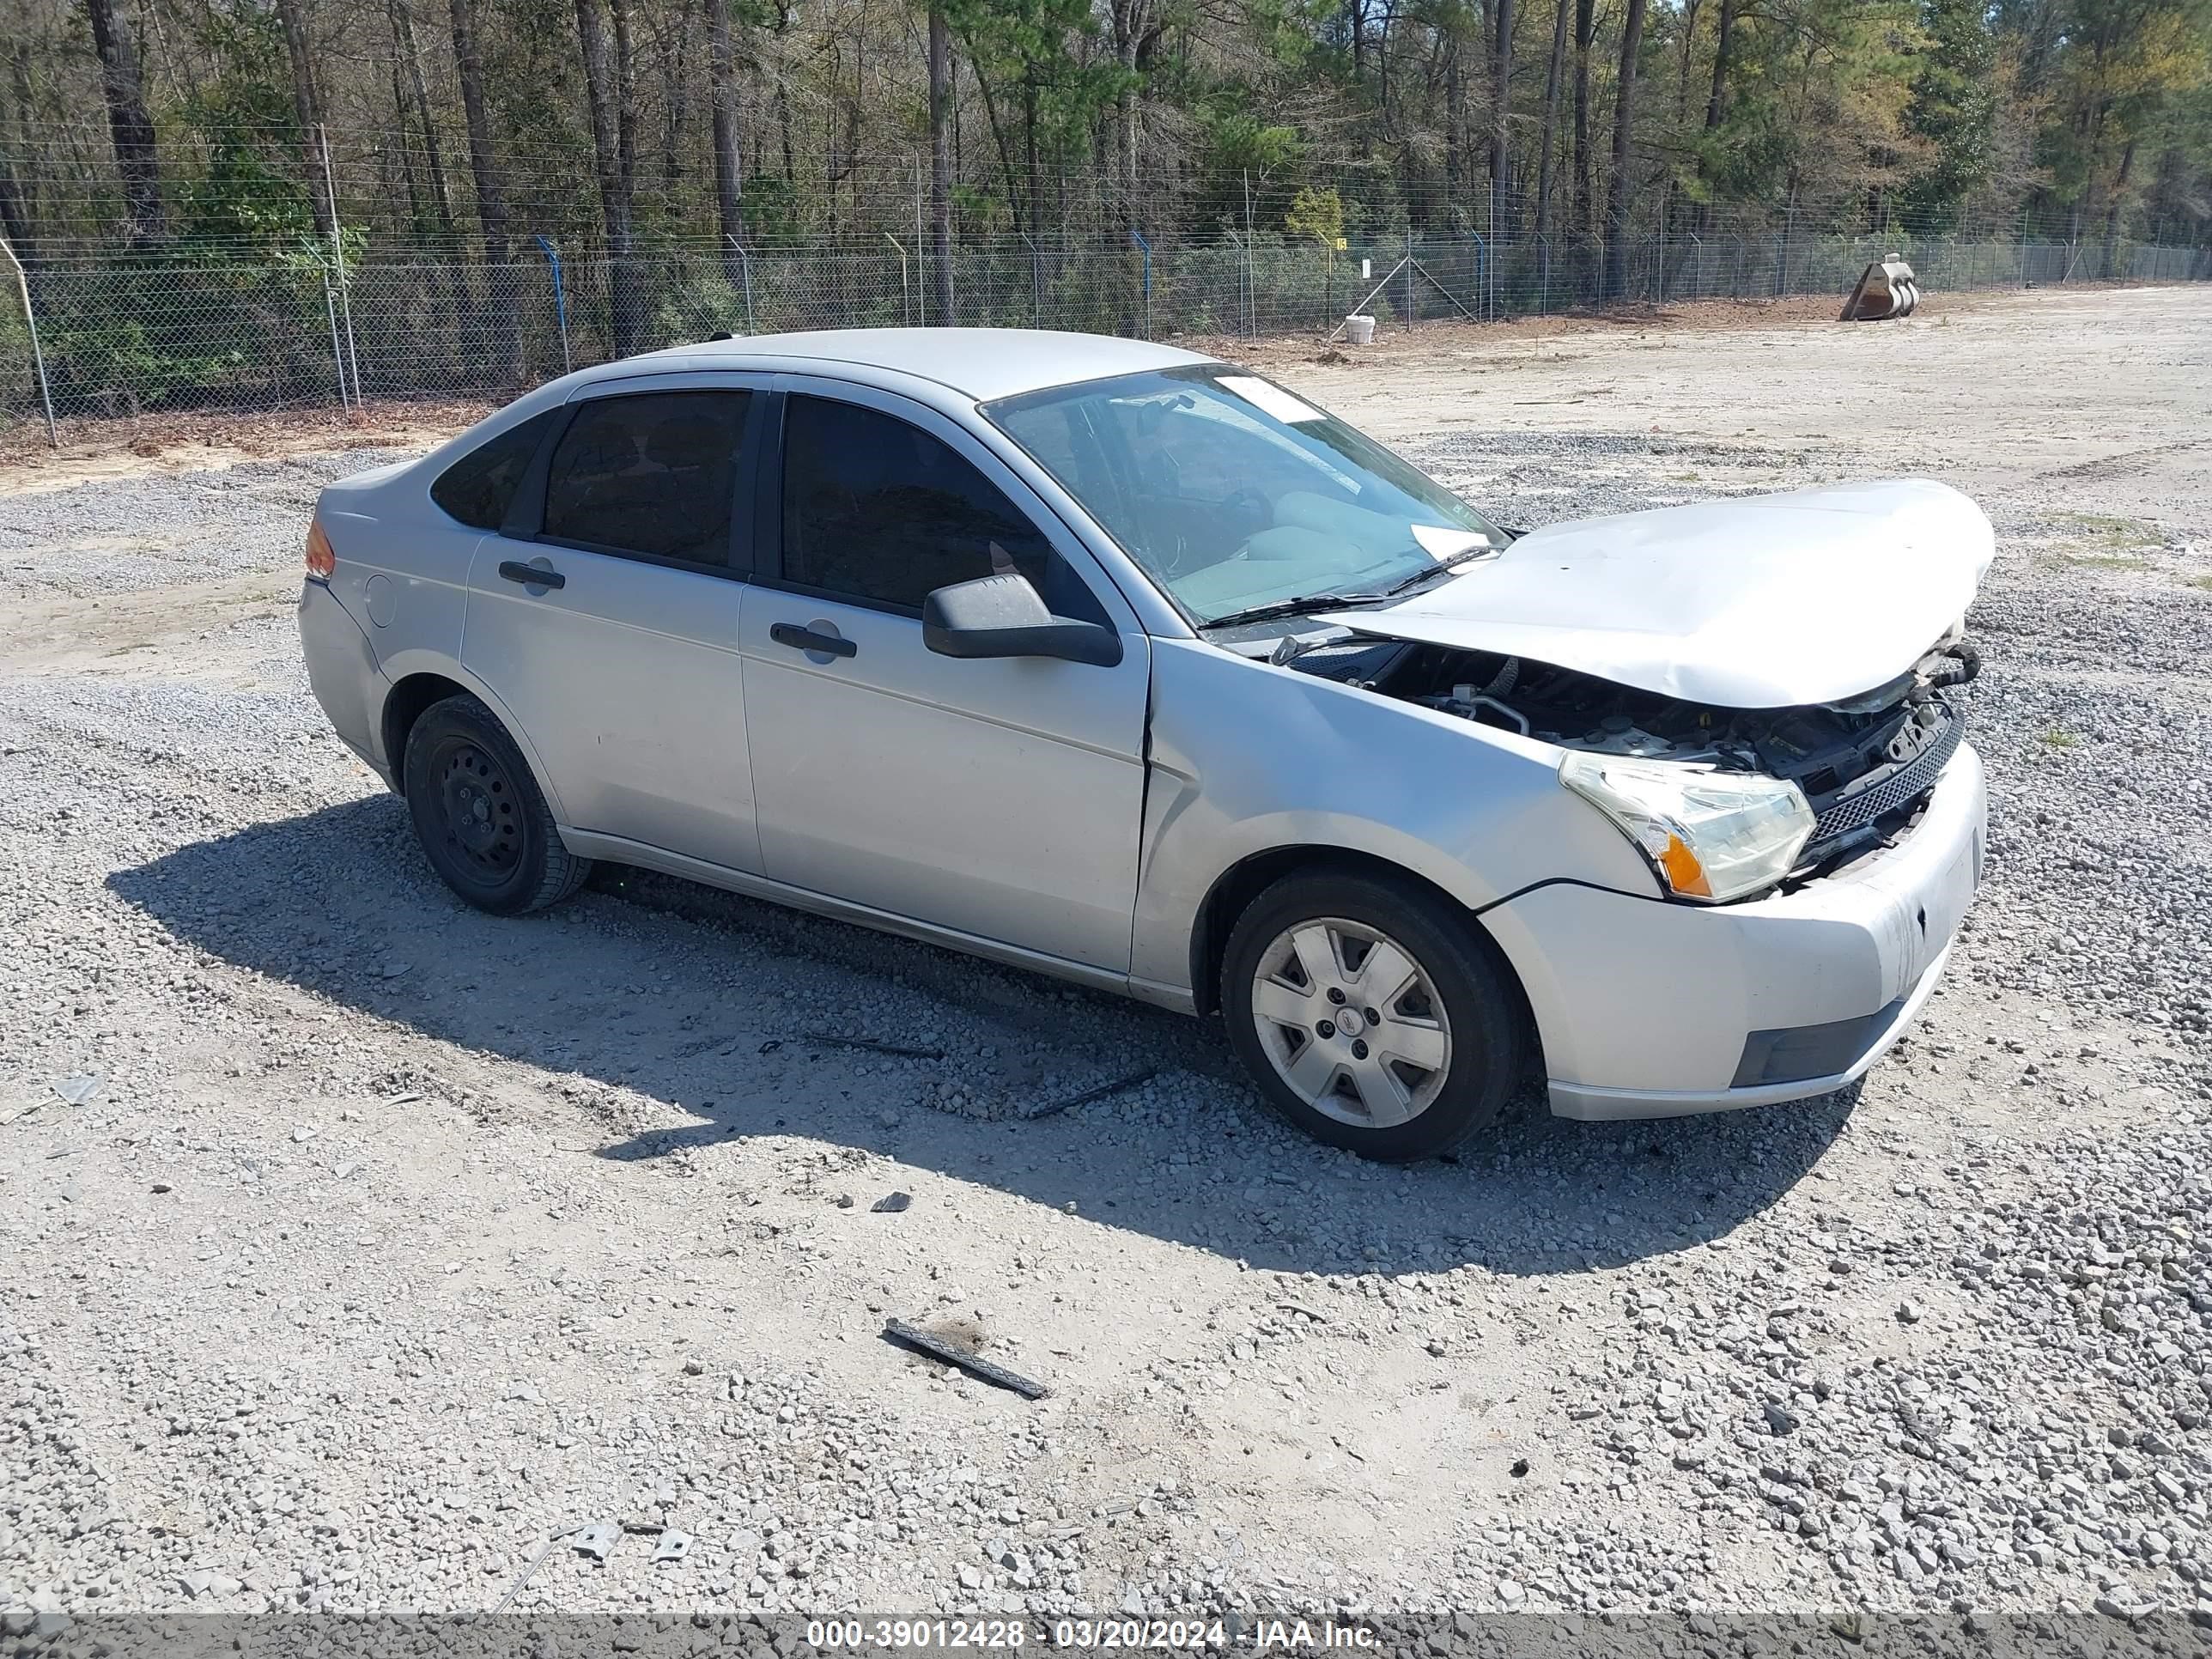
<point x="1003" y="616"/>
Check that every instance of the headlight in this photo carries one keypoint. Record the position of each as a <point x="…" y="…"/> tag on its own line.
<point x="1711" y="835"/>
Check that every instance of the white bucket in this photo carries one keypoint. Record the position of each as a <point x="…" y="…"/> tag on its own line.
<point x="1359" y="329"/>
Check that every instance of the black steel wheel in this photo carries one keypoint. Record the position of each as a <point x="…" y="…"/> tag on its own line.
<point x="479" y="814"/>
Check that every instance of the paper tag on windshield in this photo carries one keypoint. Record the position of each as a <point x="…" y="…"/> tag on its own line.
<point x="1273" y="399"/>
<point x="1445" y="545"/>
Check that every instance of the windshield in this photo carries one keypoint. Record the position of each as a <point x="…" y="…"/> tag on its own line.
<point x="1235" y="494"/>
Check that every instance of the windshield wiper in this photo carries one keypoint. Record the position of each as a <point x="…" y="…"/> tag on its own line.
<point x="1298" y="607"/>
<point x="1316" y="601"/>
<point x="1420" y="576"/>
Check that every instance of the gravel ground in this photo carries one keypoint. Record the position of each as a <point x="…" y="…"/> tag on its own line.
<point x="359" y="1244"/>
<point x="160" y="530"/>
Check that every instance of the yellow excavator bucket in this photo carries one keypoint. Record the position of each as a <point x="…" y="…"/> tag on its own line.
<point x="1886" y="289"/>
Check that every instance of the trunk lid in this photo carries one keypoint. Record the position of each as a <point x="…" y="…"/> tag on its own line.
<point x="1763" y="602"/>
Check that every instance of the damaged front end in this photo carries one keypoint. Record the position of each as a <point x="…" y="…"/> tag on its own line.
<point x="1863" y="766"/>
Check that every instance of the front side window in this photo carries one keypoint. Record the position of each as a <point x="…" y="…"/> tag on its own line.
<point x="653" y="474"/>
<point x="1233" y="493"/>
<point x="478" y="489"/>
<point x="878" y="510"/>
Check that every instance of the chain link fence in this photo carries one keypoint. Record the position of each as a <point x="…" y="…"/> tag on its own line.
<point x="117" y="340"/>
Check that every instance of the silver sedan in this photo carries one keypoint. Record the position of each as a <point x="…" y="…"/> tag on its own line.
<point x="1126" y="664"/>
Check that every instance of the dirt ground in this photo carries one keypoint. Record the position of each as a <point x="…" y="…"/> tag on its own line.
<point x="389" y="1239"/>
<point x="199" y="440"/>
<point x="195" y="441"/>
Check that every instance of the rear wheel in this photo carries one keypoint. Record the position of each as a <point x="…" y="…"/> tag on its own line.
<point x="1369" y="1017"/>
<point x="479" y="814"/>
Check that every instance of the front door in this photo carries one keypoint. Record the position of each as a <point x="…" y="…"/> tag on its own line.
<point x="621" y="664"/>
<point x="1000" y="798"/>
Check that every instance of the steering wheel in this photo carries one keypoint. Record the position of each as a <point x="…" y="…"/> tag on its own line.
<point x="1248" y="502"/>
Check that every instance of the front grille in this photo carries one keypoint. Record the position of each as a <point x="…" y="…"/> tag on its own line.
<point x="1901" y="788"/>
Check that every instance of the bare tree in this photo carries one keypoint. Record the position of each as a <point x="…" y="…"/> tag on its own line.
<point x="484" y="162"/>
<point x="613" y="145"/>
<point x="17" y="200"/>
<point x="1585" y="36"/>
<point x="940" y="162"/>
<point x="729" y="188"/>
<point x="1457" y="164"/>
<point x="1548" y="147"/>
<point x="1716" y="101"/>
<point x="307" y="106"/>
<point x="499" y="322"/>
<point x="1501" y="78"/>
<point x="409" y="54"/>
<point x="1133" y="32"/>
<point x="1619" y="191"/>
<point x="128" y="125"/>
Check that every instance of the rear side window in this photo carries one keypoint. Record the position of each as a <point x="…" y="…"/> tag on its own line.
<point x="653" y="475"/>
<point x="878" y="510"/>
<point x="478" y="489"/>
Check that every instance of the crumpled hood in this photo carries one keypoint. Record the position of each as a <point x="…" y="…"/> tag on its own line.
<point x="1763" y="602"/>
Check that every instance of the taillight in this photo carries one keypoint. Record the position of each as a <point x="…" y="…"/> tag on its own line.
<point x="321" y="560"/>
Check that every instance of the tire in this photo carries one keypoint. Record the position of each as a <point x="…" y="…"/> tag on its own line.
<point x="1407" y="1095"/>
<point x="482" y="822"/>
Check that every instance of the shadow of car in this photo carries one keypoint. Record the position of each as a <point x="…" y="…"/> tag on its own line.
<point x="704" y="1001"/>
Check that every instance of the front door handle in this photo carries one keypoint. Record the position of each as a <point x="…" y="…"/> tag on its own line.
<point x="534" y="575"/>
<point x="799" y="637"/>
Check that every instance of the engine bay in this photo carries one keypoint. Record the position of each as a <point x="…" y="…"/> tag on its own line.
<point x="1865" y="765"/>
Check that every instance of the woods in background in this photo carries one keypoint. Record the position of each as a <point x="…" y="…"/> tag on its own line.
<point x="460" y="139"/>
<point x="152" y="122"/>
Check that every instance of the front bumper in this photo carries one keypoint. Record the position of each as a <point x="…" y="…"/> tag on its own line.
<point x="1651" y="1009"/>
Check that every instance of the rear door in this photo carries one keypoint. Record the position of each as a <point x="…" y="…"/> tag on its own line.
<point x="1000" y="798"/>
<point x="604" y="614"/>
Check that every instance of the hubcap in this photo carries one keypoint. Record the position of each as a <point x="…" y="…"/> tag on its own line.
<point x="1352" y="1022"/>
<point x="482" y="824"/>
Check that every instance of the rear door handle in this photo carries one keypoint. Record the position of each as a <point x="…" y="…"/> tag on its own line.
<point x="801" y="638"/>
<point x="535" y="575"/>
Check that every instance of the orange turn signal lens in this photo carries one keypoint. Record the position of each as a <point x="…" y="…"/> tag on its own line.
<point x="321" y="560"/>
<point x="1683" y="873"/>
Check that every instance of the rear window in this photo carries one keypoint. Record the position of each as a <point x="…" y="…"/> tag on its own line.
<point x="652" y="474"/>
<point x="478" y="489"/>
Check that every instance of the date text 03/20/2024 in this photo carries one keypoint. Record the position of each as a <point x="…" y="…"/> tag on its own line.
<point x="1169" y="1635"/>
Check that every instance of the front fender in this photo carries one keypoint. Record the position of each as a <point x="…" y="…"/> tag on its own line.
<point x="1247" y="758"/>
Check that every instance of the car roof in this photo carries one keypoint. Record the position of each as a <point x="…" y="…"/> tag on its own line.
<point x="982" y="364"/>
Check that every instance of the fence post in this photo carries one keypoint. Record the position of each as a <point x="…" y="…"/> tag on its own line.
<point x="1251" y="280"/>
<point x="1409" y="276"/>
<point x="906" y="298"/>
<point x="338" y="349"/>
<point x="745" y="271"/>
<point x="338" y="254"/>
<point x="921" y="254"/>
<point x="38" y="352"/>
<point x="1145" y="248"/>
<point x="560" y="297"/>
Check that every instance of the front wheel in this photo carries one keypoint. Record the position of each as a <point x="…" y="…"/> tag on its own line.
<point x="1370" y="1018"/>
